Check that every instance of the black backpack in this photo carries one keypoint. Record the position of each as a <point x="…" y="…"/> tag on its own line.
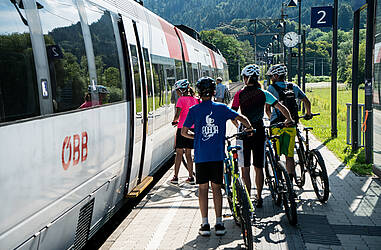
<point x="288" y="99"/>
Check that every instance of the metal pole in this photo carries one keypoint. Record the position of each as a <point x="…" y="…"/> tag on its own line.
<point x="355" y="80"/>
<point x="322" y="66"/>
<point x="368" y="81"/>
<point x="255" y="41"/>
<point x="334" y="72"/>
<point x="299" y="42"/>
<point x="289" y="65"/>
<point x="314" y="67"/>
<point x="304" y="65"/>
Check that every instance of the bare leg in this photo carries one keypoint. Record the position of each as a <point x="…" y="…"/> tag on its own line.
<point x="179" y="155"/>
<point x="217" y="199"/>
<point x="259" y="180"/>
<point x="203" y="198"/>
<point x="189" y="161"/>
<point x="290" y="165"/>
<point x="246" y="178"/>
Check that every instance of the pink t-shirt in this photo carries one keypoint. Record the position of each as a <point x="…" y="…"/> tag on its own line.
<point x="185" y="102"/>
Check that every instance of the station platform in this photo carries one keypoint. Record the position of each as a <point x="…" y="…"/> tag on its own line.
<point x="169" y="216"/>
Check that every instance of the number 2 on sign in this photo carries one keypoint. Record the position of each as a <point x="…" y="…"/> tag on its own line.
<point x="321" y="20"/>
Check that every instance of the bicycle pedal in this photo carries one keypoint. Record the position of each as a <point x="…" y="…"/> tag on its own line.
<point x="227" y="215"/>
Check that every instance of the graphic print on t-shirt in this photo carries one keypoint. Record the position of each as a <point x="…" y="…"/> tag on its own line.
<point x="210" y="129"/>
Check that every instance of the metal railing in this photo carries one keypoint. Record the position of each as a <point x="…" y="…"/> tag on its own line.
<point x="361" y="116"/>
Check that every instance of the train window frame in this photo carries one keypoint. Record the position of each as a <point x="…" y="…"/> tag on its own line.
<point x="33" y="74"/>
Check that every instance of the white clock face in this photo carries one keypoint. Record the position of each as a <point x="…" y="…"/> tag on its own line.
<point x="290" y="39"/>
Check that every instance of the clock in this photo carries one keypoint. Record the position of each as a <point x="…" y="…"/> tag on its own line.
<point x="291" y="39"/>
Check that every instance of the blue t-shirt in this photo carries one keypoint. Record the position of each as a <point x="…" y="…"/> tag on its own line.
<point x="220" y="91"/>
<point x="209" y="120"/>
<point x="299" y="94"/>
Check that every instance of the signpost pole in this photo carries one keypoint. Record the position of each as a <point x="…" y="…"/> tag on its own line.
<point x="334" y="73"/>
<point x="368" y="82"/>
<point x="355" y="71"/>
<point x="299" y="42"/>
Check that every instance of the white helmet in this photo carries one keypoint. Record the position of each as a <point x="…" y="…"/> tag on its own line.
<point x="277" y="69"/>
<point x="181" y="84"/>
<point x="251" y="69"/>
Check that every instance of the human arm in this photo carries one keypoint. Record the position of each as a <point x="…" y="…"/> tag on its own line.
<point x="186" y="133"/>
<point x="307" y="105"/>
<point x="177" y="115"/>
<point x="244" y="122"/>
<point x="268" y="110"/>
<point x="284" y="112"/>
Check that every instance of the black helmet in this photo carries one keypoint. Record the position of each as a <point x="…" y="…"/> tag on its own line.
<point x="206" y="86"/>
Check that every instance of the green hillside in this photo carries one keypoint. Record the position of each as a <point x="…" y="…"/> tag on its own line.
<point x="210" y="14"/>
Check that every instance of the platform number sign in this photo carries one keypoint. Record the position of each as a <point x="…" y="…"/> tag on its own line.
<point x="321" y="17"/>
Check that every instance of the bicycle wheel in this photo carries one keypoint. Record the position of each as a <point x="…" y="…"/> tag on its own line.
<point x="300" y="173"/>
<point x="319" y="176"/>
<point x="288" y="196"/>
<point x="271" y="180"/>
<point x="245" y="214"/>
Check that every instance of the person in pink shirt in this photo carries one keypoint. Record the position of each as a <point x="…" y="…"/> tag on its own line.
<point x="185" y="101"/>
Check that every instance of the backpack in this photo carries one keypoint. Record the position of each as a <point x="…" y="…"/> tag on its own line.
<point x="227" y="96"/>
<point x="288" y="99"/>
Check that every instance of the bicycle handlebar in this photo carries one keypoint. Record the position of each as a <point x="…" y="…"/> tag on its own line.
<point x="279" y="125"/>
<point x="240" y="134"/>
<point x="306" y="117"/>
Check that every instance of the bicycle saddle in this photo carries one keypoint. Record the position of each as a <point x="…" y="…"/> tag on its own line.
<point x="234" y="147"/>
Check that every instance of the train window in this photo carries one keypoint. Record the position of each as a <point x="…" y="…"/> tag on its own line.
<point x="18" y="84"/>
<point x="135" y="67"/>
<point x="195" y="75"/>
<point x="105" y="52"/>
<point x="149" y="79"/>
<point x="179" y="70"/>
<point x="189" y="72"/>
<point x="158" y="79"/>
<point x="66" y="53"/>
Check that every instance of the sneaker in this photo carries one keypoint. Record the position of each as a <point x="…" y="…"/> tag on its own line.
<point x="258" y="202"/>
<point x="220" y="229"/>
<point x="175" y="180"/>
<point x="190" y="181"/>
<point x="204" y="230"/>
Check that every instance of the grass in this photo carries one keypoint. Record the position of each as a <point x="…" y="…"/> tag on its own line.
<point x="321" y="103"/>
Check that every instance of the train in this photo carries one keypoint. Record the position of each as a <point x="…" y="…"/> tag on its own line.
<point x="65" y="170"/>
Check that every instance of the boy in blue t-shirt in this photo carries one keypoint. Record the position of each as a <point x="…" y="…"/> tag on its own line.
<point x="209" y="120"/>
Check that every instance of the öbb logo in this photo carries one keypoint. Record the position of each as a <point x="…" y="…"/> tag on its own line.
<point x="76" y="148"/>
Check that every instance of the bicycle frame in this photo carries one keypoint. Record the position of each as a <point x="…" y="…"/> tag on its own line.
<point x="273" y="153"/>
<point x="231" y="163"/>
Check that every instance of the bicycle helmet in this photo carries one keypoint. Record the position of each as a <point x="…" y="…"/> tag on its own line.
<point x="277" y="69"/>
<point x="182" y="84"/>
<point x="206" y="86"/>
<point x="250" y="70"/>
<point x="100" y="89"/>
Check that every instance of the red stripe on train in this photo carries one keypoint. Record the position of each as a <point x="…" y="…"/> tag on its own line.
<point x="172" y="40"/>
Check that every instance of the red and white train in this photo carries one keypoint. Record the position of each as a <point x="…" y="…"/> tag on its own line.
<point x="65" y="171"/>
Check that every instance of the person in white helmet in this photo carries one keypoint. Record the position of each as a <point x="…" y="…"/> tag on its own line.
<point x="287" y="93"/>
<point x="251" y="100"/>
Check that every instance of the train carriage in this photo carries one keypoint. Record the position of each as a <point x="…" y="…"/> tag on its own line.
<point x="66" y="170"/>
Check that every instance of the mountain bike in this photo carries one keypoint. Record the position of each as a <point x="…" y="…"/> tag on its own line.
<point x="237" y="195"/>
<point x="311" y="161"/>
<point x="277" y="178"/>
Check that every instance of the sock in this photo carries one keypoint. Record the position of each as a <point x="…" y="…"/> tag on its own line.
<point x="205" y="220"/>
<point x="219" y="220"/>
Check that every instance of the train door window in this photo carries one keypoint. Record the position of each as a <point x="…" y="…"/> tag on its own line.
<point x="159" y="86"/>
<point x="18" y="81"/>
<point x="195" y="74"/>
<point x="66" y="53"/>
<point x="179" y="70"/>
<point x="105" y="52"/>
<point x="170" y="74"/>
<point x="138" y="89"/>
<point x="149" y="80"/>
<point x="189" y="72"/>
<point x="159" y="90"/>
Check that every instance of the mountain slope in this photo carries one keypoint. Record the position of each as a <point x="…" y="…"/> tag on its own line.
<point x="209" y="14"/>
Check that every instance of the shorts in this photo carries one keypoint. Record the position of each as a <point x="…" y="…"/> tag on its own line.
<point x="253" y="145"/>
<point x="286" y="143"/>
<point x="209" y="171"/>
<point x="183" y="142"/>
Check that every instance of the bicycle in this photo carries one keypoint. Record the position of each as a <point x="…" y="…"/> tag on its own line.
<point x="237" y="195"/>
<point x="277" y="178"/>
<point x="311" y="161"/>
